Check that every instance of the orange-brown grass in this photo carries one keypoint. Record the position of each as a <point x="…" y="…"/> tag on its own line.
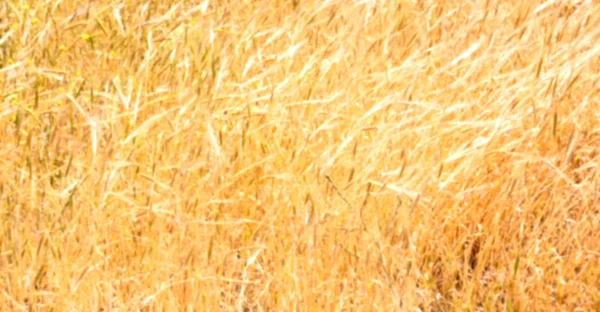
<point x="299" y="155"/>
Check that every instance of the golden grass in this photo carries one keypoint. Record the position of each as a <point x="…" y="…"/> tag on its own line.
<point x="299" y="155"/>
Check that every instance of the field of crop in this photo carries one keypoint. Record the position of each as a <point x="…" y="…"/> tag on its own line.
<point x="299" y="155"/>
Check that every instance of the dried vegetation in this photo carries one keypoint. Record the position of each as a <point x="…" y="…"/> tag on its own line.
<point x="299" y="155"/>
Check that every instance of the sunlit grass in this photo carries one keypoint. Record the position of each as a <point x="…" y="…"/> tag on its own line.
<point x="299" y="155"/>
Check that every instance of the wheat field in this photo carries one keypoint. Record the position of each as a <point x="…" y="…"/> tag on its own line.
<point x="300" y="155"/>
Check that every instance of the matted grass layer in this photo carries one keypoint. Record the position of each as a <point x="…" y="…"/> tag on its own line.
<point x="299" y="155"/>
